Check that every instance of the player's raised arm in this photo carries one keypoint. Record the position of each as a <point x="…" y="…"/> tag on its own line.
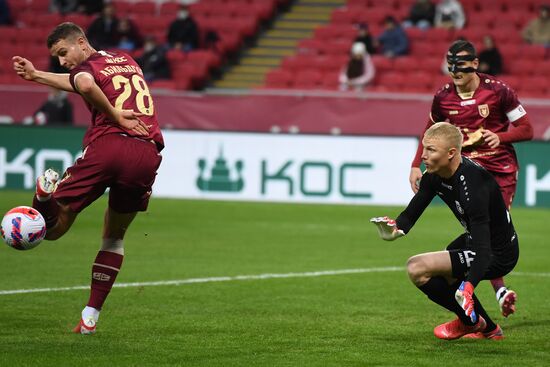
<point x="26" y="70"/>
<point x="87" y="87"/>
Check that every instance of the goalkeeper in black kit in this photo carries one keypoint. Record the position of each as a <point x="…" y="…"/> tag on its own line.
<point x="488" y="248"/>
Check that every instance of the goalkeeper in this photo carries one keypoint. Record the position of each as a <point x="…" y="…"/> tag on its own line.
<point x="488" y="248"/>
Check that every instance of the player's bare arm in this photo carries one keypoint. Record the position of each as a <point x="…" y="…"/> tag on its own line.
<point x="414" y="178"/>
<point x="26" y="70"/>
<point x="128" y="119"/>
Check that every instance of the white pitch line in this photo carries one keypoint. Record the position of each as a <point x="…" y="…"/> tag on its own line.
<point x="212" y="279"/>
<point x="237" y="278"/>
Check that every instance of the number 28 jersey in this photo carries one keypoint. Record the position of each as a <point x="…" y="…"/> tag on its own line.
<point x="121" y="80"/>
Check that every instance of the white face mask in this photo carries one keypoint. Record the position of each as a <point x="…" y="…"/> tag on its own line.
<point x="182" y="14"/>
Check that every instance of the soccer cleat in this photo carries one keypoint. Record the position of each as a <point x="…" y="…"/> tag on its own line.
<point x="507" y="302"/>
<point x="456" y="329"/>
<point x="496" y="334"/>
<point x="46" y="184"/>
<point x="85" y="327"/>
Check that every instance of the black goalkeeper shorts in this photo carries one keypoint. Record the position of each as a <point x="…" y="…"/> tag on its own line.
<point x="462" y="257"/>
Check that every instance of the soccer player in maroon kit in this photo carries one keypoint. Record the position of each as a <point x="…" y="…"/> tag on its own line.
<point x="121" y="151"/>
<point x="483" y="108"/>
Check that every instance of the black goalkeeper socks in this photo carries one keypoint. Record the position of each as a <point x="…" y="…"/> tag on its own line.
<point x="439" y="291"/>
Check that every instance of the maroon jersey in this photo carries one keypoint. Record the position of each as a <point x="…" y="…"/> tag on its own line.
<point x="493" y="106"/>
<point x="121" y="80"/>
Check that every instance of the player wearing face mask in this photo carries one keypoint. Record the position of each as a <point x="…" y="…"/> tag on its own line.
<point x="491" y="118"/>
<point x="183" y="33"/>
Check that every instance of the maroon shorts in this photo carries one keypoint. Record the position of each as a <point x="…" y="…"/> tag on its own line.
<point x="128" y="166"/>
<point x="507" y="183"/>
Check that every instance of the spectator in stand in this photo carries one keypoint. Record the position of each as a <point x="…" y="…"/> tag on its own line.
<point x="5" y="14"/>
<point x="421" y="15"/>
<point x="490" y="60"/>
<point x="364" y="36"/>
<point x="537" y="30"/>
<point x="102" y="32"/>
<point x="63" y="6"/>
<point x="359" y="71"/>
<point x="90" y="6"/>
<point x="393" y="41"/>
<point x="153" y="60"/>
<point x="183" y="33"/>
<point x="57" y="110"/>
<point x="128" y="36"/>
<point x="449" y="14"/>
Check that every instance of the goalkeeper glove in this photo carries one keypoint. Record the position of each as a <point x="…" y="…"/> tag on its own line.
<point x="464" y="297"/>
<point x="387" y="228"/>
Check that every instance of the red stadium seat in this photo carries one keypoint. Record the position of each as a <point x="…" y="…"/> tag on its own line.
<point x="330" y="81"/>
<point x="382" y="63"/>
<point x="122" y="7"/>
<point x="418" y="82"/>
<point x="9" y="35"/>
<point x="30" y="36"/>
<point x="144" y="8"/>
<point x="308" y="79"/>
<point x="205" y="57"/>
<point x="330" y="63"/>
<point x="344" y="16"/>
<point x="391" y="81"/>
<point x="521" y="67"/>
<point x="439" y="34"/>
<point x="405" y="63"/>
<point x="163" y="84"/>
<point x="311" y="46"/>
<point x="48" y="21"/>
<point x="533" y="87"/>
<point x="81" y="20"/>
<point x="278" y="79"/>
<point x="39" y="6"/>
<point x="513" y="81"/>
<point x="296" y="62"/>
<point x="169" y="8"/>
<point x="337" y="47"/>
<point x="372" y="15"/>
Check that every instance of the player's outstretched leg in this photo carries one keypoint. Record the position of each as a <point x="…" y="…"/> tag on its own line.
<point x="506" y="298"/>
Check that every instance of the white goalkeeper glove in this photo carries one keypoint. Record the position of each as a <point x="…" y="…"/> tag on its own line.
<point x="387" y="228"/>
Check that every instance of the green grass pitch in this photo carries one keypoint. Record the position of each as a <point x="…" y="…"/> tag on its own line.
<point x="358" y="319"/>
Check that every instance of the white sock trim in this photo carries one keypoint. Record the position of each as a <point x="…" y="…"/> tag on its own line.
<point x="113" y="245"/>
<point x="88" y="312"/>
<point x="501" y="292"/>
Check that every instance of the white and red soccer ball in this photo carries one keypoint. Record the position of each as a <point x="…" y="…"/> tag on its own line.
<point x="23" y="228"/>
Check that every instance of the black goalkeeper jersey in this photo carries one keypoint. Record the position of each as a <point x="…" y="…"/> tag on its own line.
<point x="475" y="199"/>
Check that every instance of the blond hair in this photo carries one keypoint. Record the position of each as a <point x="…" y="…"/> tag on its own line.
<point x="446" y="131"/>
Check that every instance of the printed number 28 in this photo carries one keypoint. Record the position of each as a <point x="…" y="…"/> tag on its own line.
<point x="144" y="101"/>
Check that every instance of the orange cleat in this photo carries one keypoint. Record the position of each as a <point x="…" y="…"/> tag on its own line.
<point x="456" y="329"/>
<point x="85" y="327"/>
<point x="496" y="334"/>
<point x="507" y="302"/>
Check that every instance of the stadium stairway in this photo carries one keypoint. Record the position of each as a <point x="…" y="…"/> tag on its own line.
<point x="277" y="42"/>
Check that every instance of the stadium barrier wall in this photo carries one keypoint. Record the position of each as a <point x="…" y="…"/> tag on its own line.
<point x="263" y="167"/>
<point x="381" y="114"/>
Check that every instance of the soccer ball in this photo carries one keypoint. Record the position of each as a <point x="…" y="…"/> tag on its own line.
<point x="23" y="228"/>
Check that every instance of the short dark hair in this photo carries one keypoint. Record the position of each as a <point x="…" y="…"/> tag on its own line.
<point x="462" y="45"/>
<point x="64" y="31"/>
